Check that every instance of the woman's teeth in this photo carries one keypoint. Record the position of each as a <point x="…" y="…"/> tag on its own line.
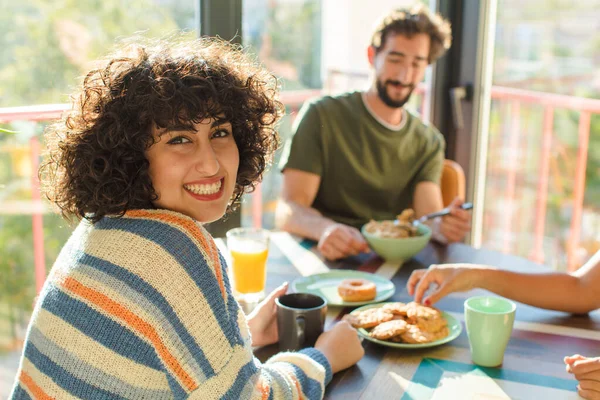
<point x="204" y="189"/>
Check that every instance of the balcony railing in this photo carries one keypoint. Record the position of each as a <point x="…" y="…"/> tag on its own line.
<point x="550" y="103"/>
<point x="293" y="100"/>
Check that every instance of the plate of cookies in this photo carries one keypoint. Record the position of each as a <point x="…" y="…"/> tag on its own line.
<point x="404" y="325"/>
<point x="346" y="287"/>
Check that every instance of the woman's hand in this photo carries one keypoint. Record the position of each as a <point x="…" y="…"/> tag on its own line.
<point x="587" y="372"/>
<point x="262" y="321"/>
<point x="341" y="346"/>
<point x="449" y="278"/>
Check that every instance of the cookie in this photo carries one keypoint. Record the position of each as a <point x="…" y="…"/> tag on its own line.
<point x="396" y="339"/>
<point x="442" y="333"/>
<point x="388" y="329"/>
<point x="368" y="318"/>
<point x="416" y="311"/>
<point x="431" y="325"/>
<point x="413" y="335"/>
<point x="396" y="308"/>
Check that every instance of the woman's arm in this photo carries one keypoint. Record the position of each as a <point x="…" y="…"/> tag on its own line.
<point x="576" y="292"/>
<point x="201" y="335"/>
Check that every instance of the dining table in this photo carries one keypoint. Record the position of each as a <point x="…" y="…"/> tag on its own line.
<point x="533" y="366"/>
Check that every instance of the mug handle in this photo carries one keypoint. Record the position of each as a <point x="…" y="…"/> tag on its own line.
<point x="300" y="324"/>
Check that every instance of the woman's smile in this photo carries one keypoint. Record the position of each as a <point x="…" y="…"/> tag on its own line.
<point x="205" y="191"/>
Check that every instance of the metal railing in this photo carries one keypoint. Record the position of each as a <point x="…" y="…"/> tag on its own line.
<point x="550" y="103"/>
<point x="293" y="100"/>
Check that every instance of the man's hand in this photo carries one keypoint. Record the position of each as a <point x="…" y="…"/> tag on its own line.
<point x="457" y="224"/>
<point x="339" y="241"/>
<point x="587" y="372"/>
<point x="262" y="321"/>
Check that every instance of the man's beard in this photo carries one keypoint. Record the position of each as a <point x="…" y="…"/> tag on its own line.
<point x="383" y="94"/>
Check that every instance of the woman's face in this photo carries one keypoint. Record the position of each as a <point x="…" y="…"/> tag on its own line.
<point x="193" y="170"/>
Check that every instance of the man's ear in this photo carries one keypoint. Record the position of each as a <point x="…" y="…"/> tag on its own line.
<point x="371" y="52"/>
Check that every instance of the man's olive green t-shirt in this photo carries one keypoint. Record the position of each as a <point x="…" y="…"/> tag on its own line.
<point x="368" y="171"/>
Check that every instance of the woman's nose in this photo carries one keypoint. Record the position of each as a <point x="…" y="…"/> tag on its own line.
<point x="208" y="162"/>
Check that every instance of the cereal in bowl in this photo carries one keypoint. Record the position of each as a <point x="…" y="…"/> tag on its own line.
<point x="402" y="227"/>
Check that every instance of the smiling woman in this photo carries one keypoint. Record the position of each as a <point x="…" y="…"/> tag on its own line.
<point x="161" y="139"/>
<point x="97" y="164"/>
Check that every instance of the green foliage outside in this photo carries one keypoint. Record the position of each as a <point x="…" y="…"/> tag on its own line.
<point x="17" y="282"/>
<point x="290" y="35"/>
<point x="543" y="46"/>
<point x="45" y="48"/>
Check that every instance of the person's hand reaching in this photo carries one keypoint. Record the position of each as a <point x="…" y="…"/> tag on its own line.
<point x="262" y="321"/>
<point x="448" y="278"/>
<point x="587" y="371"/>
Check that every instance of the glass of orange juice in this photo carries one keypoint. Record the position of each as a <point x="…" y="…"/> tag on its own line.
<point x="249" y="248"/>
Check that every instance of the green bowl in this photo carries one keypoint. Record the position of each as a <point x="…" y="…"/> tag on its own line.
<point x="398" y="249"/>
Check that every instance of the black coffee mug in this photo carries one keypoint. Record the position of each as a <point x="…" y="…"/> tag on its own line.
<point x="300" y="320"/>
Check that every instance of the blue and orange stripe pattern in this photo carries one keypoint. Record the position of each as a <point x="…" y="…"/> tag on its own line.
<point x="141" y="307"/>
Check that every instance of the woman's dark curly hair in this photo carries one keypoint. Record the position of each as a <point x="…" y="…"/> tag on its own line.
<point x="96" y="163"/>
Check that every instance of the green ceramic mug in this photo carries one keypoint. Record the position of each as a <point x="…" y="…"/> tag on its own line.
<point x="489" y="321"/>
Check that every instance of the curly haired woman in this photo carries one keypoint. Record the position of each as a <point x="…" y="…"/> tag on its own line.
<point x="162" y="138"/>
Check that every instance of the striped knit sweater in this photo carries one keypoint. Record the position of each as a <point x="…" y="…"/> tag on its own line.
<point x="140" y="307"/>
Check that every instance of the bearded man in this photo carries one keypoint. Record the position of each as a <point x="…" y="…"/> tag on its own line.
<point x="362" y="155"/>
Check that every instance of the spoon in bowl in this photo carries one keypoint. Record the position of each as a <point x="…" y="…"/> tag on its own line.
<point x="441" y="213"/>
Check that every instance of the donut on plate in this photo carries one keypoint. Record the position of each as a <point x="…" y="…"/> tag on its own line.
<point x="357" y="290"/>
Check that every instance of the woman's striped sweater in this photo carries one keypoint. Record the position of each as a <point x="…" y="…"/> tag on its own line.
<point x="140" y="307"/>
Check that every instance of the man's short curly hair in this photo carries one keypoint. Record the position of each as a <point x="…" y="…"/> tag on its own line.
<point x="96" y="163"/>
<point x="409" y="22"/>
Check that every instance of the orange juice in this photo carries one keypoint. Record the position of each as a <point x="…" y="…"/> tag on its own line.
<point x="249" y="260"/>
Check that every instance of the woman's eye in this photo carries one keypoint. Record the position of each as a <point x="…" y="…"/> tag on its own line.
<point x="221" y="133"/>
<point x="179" y="140"/>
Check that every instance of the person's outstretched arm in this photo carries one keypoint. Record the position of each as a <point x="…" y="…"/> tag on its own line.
<point x="295" y="215"/>
<point x="576" y="292"/>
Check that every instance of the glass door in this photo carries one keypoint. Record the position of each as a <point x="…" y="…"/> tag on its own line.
<point x="537" y="160"/>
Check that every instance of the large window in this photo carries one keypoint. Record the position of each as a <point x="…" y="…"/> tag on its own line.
<point x="542" y="190"/>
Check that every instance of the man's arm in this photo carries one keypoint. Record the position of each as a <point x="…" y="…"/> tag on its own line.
<point x="450" y="228"/>
<point x="427" y="198"/>
<point x="295" y="215"/>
